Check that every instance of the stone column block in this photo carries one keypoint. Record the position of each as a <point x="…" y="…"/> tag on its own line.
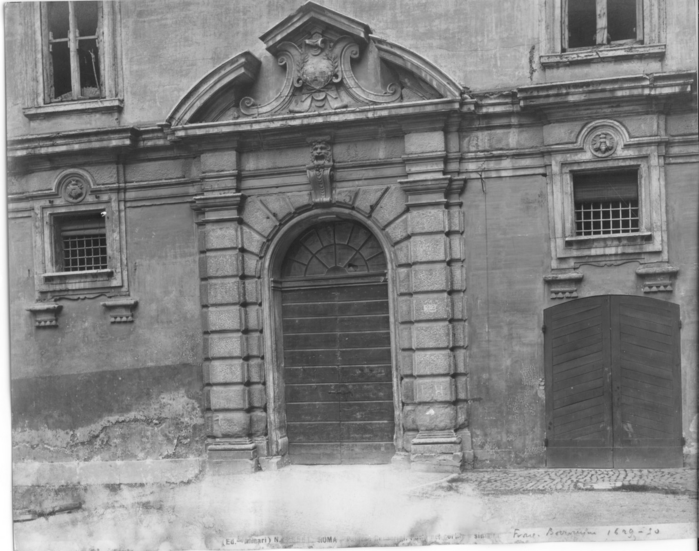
<point x="220" y="237"/>
<point x="435" y="417"/>
<point x="221" y="264"/>
<point x="220" y="345"/>
<point x="257" y="396"/>
<point x="218" y="291"/>
<point x="256" y="371"/>
<point x="431" y="307"/>
<point x="225" y="372"/>
<point x="226" y="397"/>
<point x="430" y="278"/>
<point x="227" y="424"/>
<point x="407" y="386"/>
<point x="426" y="221"/>
<point x="438" y="362"/>
<point x="224" y="318"/>
<point x="428" y="248"/>
<point x="434" y="389"/>
<point x="433" y="335"/>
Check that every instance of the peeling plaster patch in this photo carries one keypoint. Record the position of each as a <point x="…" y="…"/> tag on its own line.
<point x="169" y="428"/>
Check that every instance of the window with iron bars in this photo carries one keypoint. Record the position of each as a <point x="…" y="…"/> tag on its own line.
<point x="74" y="43"/>
<point x="606" y="203"/>
<point x="82" y="243"/>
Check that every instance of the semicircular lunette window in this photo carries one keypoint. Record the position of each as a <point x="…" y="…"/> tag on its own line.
<point x="334" y="248"/>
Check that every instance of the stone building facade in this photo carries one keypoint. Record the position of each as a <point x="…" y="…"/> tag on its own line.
<point x="447" y="235"/>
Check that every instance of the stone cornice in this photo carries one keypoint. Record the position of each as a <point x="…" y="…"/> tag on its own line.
<point x="502" y="109"/>
<point x="72" y="141"/>
<point x="602" y="90"/>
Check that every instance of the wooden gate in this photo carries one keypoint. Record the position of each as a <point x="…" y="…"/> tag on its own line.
<point x="337" y="348"/>
<point x="613" y="387"/>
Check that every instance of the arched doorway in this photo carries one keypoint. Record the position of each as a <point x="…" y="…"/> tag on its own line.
<point x="336" y="347"/>
<point x="613" y="387"/>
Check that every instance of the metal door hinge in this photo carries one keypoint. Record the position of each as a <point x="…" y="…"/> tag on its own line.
<point x="546" y="442"/>
<point x="543" y="328"/>
<point x="680" y="321"/>
<point x="684" y="441"/>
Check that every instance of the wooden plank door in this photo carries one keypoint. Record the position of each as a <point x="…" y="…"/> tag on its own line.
<point x="337" y="372"/>
<point x="646" y="383"/>
<point x="578" y="402"/>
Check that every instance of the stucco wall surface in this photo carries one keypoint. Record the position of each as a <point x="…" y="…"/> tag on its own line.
<point x="168" y="45"/>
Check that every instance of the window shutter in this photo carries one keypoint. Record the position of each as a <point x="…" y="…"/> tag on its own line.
<point x="606" y="186"/>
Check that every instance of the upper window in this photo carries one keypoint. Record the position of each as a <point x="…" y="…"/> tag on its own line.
<point x="74" y="44"/>
<point x="77" y="61"/>
<point x="602" y="22"/>
<point x="593" y="31"/>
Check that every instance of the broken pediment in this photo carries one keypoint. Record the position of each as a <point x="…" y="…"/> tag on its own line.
<point x="320" y="60"/>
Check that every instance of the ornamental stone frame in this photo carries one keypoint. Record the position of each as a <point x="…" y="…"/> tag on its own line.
<point x="243" y="236"/>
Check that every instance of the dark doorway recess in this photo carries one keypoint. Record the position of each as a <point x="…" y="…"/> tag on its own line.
<point x="337" y="347"/>
<point x="613" y="387"/>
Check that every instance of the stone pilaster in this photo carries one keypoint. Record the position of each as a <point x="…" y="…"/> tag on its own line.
<point x="230" y="396"/>
<point x="427" y="336"/>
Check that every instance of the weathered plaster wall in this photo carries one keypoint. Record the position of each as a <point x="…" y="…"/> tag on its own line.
<point x="168" y="45"/>
<point x="507" y="254"/>
<point x="683" y="232"/>
<point x="124" y="391"/>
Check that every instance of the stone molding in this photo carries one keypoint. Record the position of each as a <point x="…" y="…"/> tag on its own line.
<point x="120" y="310"/>
<point x="45" y="314"/>
<point x="599" y="54"/>
<point x="657" y="278"/>
<point x="563" y="285"/>
<point x="73" y="107"/>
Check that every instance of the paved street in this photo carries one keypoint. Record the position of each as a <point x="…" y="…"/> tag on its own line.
<point x="340" y="506"/>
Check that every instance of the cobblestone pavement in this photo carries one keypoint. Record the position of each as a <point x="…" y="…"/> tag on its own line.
<point x="500" y="481"/>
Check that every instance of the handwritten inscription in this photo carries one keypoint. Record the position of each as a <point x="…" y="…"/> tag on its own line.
<point x="517" y="535"/>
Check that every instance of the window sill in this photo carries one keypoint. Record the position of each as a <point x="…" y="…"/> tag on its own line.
<point x="73" y="277"/>
<point x="603" y="53"/>
<point x="588" y="242"/>
<point x="71" y="107"/>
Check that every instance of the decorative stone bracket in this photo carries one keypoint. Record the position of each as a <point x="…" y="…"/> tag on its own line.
<point x="657" y="278"/>
<point x="45" y="314"/>
<point x="563" y="285"/>
<point x="121" y="310"/>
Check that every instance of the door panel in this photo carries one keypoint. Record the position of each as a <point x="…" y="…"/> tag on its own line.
<point x="338" y="375"/>
<point x="647" y="428"/>
<point x="613" y="383"/>
<point x="578" y="408"/>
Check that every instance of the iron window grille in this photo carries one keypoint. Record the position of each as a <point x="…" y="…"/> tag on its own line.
<point x="83" y="243"/>
<point x="606" y="203"/>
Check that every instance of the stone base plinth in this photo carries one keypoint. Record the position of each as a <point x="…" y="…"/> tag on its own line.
<point x="232" y="459"/>
<point x="437" y="462"/>
<point x="274" y="463"/>
<point x="436" y="451"/>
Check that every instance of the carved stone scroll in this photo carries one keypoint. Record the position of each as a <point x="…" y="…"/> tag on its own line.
<point x="319" y="170"/>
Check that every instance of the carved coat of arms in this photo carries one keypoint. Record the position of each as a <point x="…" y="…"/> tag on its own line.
<point x="319" y="77"/>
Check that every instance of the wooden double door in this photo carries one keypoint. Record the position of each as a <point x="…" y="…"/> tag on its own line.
<point x="613" y="383"/>
<point x="338" y="376"/>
